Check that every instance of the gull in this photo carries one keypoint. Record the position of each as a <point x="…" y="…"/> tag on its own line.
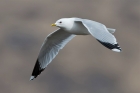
<point x="68" y="28"/>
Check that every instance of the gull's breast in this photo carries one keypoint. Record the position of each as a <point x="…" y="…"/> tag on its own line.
<point x="79" y="29"/>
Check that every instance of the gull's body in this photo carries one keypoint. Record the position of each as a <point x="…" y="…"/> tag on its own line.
<point x="68" y="29"/>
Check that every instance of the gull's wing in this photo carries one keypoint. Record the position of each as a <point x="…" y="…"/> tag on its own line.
<point x="100" y="32"/>
<point x="50" y="48"/>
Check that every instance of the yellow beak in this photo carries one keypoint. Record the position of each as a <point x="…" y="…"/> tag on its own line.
<point x="53" y="24"/>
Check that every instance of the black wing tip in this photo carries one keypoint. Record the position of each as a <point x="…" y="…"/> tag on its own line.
<point x="113" y="47"/>
<point x="116" y="48"/>
<point x="36" y="71"/>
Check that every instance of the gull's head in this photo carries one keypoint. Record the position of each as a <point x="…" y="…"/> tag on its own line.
<point x="64" y="23"/>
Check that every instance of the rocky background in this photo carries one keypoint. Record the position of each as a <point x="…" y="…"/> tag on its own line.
<point x="84" y="65"/>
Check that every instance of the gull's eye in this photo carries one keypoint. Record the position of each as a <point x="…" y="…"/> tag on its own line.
<point x="60" y="22"/>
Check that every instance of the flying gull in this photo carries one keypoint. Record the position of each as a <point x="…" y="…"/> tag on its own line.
<point x="68" y="29"/>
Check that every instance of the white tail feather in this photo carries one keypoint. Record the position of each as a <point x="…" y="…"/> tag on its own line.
<point x="111" y="30"/>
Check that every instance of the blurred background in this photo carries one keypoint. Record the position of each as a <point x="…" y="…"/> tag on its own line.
<point x="84" y="65"/>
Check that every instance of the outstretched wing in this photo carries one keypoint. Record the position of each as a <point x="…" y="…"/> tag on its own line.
<point x="50" y="48"/>
<point x="100" y="32"/>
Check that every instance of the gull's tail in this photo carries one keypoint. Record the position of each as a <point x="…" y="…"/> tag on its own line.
<point x="111" y="30"/>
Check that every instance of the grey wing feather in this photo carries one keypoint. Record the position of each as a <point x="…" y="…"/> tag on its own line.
<point x="100" y="32"/>
<point x="50" y="48"/>
<point x="53" y="43"/>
